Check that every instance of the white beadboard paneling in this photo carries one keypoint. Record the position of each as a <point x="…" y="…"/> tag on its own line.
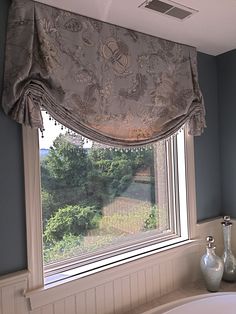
<point x="129" y="287"/>
<point x="109" y="298"/>
<point x="59" y="307"/>
<point x="176" y="264"/>
<point x="80" y="301"/>
<point x="125" y="290"/>
<point x="54" y="292"/>
<point x="90" y="301"/>
<point x="156" y="281"/>
<point x="100" y="299"/>
<point x="163" y="279"/>
<point x="47" y="309"/>
<point x="149" y="284"/>
<point x="142" y="287"/>
<point x="8" y="300"/>
<point x="70" y="305"/>
<point x="134" y="290"/>
<point x="21" y="304"/>
<point x="117" y="296"/>
<point x="12" y="300"/>
<point x="169" y="286"/>
<point x="38" y="311"/>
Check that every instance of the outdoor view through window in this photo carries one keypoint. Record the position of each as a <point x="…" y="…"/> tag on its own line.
<point x="97" y="199"/>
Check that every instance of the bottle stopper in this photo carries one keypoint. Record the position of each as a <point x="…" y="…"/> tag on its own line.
<point x="227" y="221"/>
<point x="210" y="241"/>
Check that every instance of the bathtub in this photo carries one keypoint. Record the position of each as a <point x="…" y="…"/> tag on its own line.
<point x="215" y="303"/>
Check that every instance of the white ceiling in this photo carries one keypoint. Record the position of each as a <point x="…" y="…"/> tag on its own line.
<point x="212" y="30"/>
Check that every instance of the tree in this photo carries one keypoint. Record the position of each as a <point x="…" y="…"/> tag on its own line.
<point x="65" y="173"/>
<point x="73" y="176"/>
<point x="70" y="220"/>
<point x="47" y="205"/>
<point x="117" y="167"/>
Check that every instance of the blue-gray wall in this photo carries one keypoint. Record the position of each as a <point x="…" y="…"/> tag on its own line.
<point x="207" y="151"/>
<point x="227" y="101"/>
<point x="12" y="212"/>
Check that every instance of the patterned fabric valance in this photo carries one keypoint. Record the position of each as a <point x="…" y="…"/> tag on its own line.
<point x="108" y="83"/>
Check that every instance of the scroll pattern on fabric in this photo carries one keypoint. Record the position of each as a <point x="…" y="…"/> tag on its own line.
<point x="108" y="83"/>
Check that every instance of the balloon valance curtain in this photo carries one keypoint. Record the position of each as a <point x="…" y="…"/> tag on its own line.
<point x="108" y="83"/>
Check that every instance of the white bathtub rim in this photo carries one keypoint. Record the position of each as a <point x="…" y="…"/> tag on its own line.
<point x="161" y="309"/>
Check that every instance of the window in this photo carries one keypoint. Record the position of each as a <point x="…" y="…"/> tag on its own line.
<point x="102" y="205"/>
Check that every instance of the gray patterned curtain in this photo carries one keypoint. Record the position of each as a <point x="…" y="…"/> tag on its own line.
<point x="108" y="83"/>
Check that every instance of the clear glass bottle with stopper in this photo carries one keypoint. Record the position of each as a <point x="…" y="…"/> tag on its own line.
<point x="212" y="267"/>
<point x="228" y="257"/>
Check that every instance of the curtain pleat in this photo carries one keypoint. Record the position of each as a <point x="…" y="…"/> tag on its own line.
<point x="110" y="84"/>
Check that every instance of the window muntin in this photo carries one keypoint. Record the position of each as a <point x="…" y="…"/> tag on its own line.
<point x="158" y="176"/>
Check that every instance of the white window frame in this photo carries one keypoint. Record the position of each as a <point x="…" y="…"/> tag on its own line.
<point x="34" y="226"/>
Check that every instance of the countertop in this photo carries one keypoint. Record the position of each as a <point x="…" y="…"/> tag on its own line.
<point x="193" y="289"/>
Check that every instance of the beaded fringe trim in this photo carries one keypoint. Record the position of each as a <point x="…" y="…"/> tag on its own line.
<point x="95" y="145"/>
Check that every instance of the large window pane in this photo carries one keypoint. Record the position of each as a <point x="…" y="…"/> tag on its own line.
<point x="95" y="199"/>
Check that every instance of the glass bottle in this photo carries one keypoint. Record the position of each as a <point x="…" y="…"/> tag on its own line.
<point x="228" y="257"/>
<point x="212" y="267"/>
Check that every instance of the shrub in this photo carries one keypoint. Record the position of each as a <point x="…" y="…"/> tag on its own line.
<point x="151" y="222"/>
<point x="64" y="248"/>
<point x="74" y="220"/>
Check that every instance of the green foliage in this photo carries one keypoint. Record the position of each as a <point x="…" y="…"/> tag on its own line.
<point x="76" y="184"/>
<point x="47" y="204"/>
<point x="65" y="160"/>
<point x="71" y="246"/>
<point x="74" y="220"/>
<point x="116" y="168"/>
<point x="130" y="222"/>
<point x="72" y="174"/>
<point x="65" y="173"/>
<point x="64" y="248"/>
<point x="151" y="222"/>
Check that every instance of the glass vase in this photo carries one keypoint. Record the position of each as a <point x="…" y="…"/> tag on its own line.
<point x="212" y="267"/>
<point x="228" y="257"/>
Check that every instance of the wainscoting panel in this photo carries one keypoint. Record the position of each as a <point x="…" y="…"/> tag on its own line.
<point x="12" y="300"/>
<point x="47" y="309"/>
<point x="125" y="293"/>
<point x="119" y="290"/>
<point x="81" y="303"/>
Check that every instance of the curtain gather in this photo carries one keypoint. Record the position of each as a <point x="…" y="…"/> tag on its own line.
<point x="108" y="83"/>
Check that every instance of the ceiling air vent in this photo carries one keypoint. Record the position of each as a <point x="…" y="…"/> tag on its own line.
<point x="169" y="8"/>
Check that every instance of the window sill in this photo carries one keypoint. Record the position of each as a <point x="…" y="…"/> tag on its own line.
<point x="73" y="285"/>
<point x="71" y="270"/>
